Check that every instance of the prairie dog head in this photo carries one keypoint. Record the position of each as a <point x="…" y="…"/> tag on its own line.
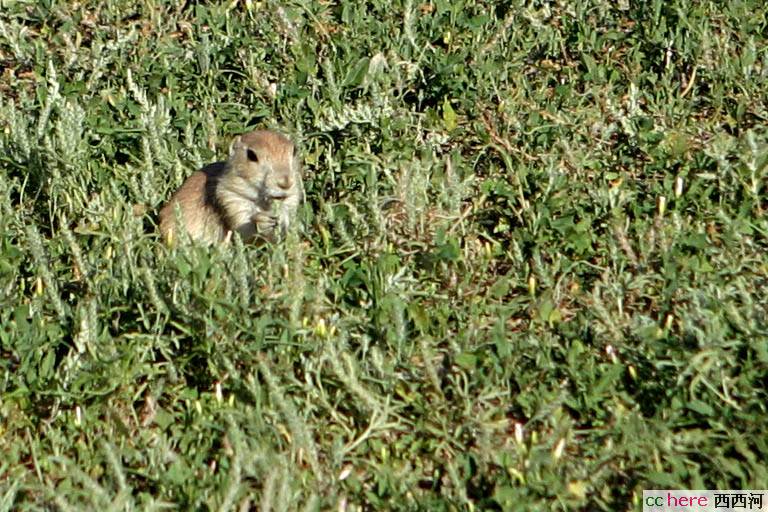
<point x="262" y="187"/>
<point x="266" y="161"/>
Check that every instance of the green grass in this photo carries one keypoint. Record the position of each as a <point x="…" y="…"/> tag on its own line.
<point x="531" y="271"/>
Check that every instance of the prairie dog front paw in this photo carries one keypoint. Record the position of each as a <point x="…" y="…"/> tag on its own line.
<point x="265" y="222"/>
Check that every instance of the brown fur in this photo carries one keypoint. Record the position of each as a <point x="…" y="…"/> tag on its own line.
<point x="251" y="197"/>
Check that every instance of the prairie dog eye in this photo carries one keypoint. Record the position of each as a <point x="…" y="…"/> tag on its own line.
<point x="252" y="156"/>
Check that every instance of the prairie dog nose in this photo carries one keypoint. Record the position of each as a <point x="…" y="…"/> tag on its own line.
<point x="284" y="182"/>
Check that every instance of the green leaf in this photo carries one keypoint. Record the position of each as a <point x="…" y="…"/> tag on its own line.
<point x="500" y="288"/>
<point x="696" y="241"/>
<point x="46" y="366"/>
<point x="419" y="316"/>
<point x="467" y="360"/>
<point x="449" y="116"/>
<point x="356" y="74"/>
<point x="449" y="251"/>
<point x="701" y="407"/>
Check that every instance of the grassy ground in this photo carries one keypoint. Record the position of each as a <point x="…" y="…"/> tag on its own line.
<point x="530" y="275"/>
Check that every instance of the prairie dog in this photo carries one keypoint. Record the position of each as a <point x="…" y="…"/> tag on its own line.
<point x="255" y="192"/>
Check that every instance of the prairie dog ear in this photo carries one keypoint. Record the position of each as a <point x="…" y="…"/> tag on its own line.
<point x="236" y="142"/>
